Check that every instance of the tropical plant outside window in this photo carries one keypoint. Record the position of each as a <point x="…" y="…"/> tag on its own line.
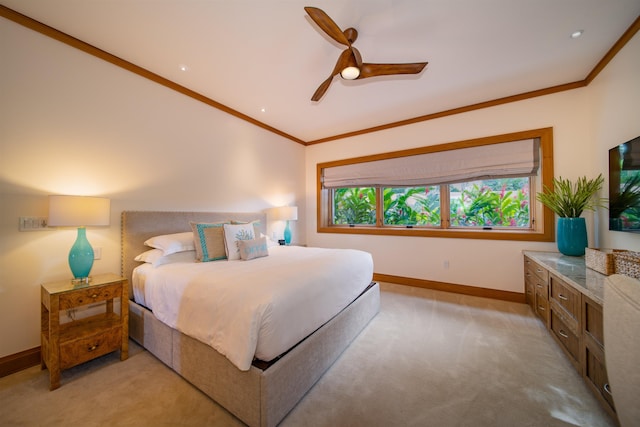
<point x="485" y="208"/>
<point x="488" y="203"/>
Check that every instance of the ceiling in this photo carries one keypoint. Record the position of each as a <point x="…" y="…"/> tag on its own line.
<point x="251" y="55"/>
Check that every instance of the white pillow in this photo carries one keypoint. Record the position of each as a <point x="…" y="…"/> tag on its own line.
<point x="270" y="243"/>
<point x="149" y="256"/>
<point x="233" y="233"/>
<point x="156" y="257"/>
<point x="172" y="243"/>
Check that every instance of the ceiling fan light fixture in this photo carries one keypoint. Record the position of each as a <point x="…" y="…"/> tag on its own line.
<point x="350" y="73"/>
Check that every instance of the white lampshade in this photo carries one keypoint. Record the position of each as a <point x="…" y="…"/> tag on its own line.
<point x="285" y="213"/>
<point x="79" y="211"/>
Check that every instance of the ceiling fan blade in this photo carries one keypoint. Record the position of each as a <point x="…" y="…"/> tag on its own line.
<point x="372" y="70"/>
<point x="321" y="89"/>
<point x="343" y="61"/>
<point x="356" y="56"/>
<point x="327" y="25"/>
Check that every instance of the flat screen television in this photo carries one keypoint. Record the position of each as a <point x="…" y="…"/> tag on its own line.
<point x="624" y="187"/>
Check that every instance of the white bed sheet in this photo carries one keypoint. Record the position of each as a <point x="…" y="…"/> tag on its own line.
<point x="258" y="308"/>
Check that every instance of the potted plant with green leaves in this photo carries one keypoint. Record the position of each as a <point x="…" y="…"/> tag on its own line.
<point x="568" y="200"/>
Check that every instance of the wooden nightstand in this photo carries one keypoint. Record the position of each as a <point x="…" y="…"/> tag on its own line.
<point x="68" y="344"/>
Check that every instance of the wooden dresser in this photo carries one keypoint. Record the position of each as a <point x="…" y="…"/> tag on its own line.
<point x="567" y="296"/>
<point x="68" y="344"/>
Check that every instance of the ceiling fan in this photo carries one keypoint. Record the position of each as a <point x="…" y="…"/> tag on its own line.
<point x="350" y="65"/>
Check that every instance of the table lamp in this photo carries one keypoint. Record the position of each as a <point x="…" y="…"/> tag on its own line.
<point x="286" y="213"/>
<point x="81" y="212"/>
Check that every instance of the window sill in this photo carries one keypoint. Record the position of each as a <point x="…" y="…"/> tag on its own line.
<point x="494" y="234"/>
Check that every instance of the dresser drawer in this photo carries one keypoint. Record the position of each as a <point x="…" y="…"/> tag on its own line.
<point x="595" y="373"/>
<point x="529" y="293"/>
<point x="592" y="321"/>
<point x="81" y="350"/>
<point x="565" y="295"/>
<point x="534" y="269"/>
<point x="542" y="307"/>
<point x="89" y="296"/>
<point x="566" y="337"/>
<point x="540" y="287"/>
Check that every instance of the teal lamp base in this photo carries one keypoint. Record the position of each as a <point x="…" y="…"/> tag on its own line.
<point x="81" y="256"/>
<point x="287" y="234"/>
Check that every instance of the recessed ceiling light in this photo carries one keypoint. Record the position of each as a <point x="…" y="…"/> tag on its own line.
<point x="264" y="110"/>
<point x="576" y="34"/>
<point x="183" y="67"/>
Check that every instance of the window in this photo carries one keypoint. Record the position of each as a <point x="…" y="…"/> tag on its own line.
<point x="473" y="189"/>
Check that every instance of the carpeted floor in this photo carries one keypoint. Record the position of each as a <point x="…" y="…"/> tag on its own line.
<point x="428" y="359"/>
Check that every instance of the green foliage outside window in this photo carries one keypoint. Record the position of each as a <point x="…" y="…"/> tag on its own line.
<point x="412" y="206"/>
<point x="489" y="203"/>
<point x="354" y="206"/>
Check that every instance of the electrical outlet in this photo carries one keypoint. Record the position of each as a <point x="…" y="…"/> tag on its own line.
<point x="97" y="253"/>
<point x="445" y="264"/>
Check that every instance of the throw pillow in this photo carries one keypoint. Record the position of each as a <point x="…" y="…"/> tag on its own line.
<point x="209" y="241"/>
<point x="250" y="249"/>
<point x="232" y="234"/>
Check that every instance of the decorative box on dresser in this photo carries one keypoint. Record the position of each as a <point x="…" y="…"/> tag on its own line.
<point x="65" y="345"/>
<point x="568" y="297"/>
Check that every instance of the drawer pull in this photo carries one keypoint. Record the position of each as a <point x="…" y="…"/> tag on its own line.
<point x="541" y="308"/>
<point x="562" y="297"/>
<point x="539" y="285"/>
<point x="606" y="387"/>
<point x="563" y="334"/>
<point x="94" y="296"/>
<point x="93" y="347"/>
<point x="539" y="270"/>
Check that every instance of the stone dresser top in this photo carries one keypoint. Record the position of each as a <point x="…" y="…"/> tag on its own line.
<point x="572" y="270"/>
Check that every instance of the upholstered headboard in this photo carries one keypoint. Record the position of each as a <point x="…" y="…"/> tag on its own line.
<point x="138" y="226"/>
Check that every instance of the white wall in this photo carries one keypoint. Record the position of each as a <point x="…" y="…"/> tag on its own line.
<point x="615" y="102"/>
<point x="73" y="124"/>
<point x="586" y="122"/>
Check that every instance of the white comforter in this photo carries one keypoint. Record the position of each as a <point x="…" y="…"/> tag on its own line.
<point x="258" y="308"/>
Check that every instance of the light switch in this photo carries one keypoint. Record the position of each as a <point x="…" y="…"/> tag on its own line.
<point x="32" y="223"/>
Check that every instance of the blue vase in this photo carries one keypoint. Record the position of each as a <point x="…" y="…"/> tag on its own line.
<point x="571" y="236"/>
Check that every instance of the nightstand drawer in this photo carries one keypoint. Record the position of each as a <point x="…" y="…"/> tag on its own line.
<point x="89" y="296"/>
<point x="84" y="349"/>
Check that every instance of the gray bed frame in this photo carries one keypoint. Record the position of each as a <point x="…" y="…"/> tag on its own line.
<point x="258" y="397"/>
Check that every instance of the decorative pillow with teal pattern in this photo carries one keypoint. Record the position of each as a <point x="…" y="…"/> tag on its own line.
<point x="232" y="234"/>
<point x="209" y="241"/>
<point x="250" y="249"/>
<point x="256" y="225"/>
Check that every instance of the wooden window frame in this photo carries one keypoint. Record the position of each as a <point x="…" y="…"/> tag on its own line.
<point x="541" y="216"/>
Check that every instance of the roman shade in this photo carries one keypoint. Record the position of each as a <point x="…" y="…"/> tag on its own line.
<point x="502" y="160"/>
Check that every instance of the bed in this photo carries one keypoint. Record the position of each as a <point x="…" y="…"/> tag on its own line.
<point x="262" y="393"/>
